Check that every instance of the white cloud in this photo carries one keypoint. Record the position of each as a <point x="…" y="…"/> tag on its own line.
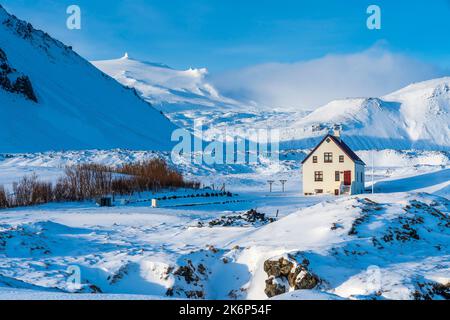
<point x="309" y="84"/>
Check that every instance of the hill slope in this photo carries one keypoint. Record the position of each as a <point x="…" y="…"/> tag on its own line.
<point x="166" y="88"/>
<point x="416" y="117"/>
<point x="52" y="99"/>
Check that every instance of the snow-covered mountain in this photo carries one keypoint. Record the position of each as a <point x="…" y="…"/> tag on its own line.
<point x="187" y="95"/>
<point x="416" y="117"/>
<point x="52" y="99"/>
<point x="166" y="88"/>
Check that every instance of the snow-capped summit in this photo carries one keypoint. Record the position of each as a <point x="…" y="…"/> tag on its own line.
<point x="52" y="99"/>
<point x="166" y="88"/>
<point x="416" y="117"/>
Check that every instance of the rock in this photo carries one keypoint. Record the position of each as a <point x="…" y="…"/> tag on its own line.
<point x="23" y="86"/>
<point x="13" y="81"/>
<point x="2" y="55"/>
<point x="187" y="272"/>
<point x="277" y="268"/>
<point x="95" y="289"/>
<point x="250" y="218"/>
<point x="195" y="294"/>
<point x="212" y="249"/>
<point x="303" y="279"/>
<point x="286" y="273"/>
<point x="201" y="268"/>
<point x="274" y="288"/>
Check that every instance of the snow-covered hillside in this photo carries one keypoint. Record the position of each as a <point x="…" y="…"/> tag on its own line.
<point x="166" y="88"/>
<point x="52" y="99"/>
<point x="333" y="248"/>
<point x="416" y="117"/>
<point x="187" y="95"/>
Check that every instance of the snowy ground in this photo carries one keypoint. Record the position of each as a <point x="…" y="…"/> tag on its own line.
<point x="138" y="252"/>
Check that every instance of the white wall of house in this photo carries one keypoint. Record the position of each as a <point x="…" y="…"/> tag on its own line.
<point x="329" y="171"/>
<point x="358" y="186"/>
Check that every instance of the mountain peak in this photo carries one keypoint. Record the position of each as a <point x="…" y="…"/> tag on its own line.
<point x="69" y="95"/>
<point x="428" y="88"/>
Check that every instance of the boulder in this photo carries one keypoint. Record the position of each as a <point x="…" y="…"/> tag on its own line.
<point x="274" y="287"/>
<point x="286" y="273"/>
<point x="277" y="268"/>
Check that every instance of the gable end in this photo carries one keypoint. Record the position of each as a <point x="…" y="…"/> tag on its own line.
<point x="341" y="144"/>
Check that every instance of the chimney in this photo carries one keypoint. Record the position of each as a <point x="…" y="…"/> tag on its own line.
<point x="337" y="131"/>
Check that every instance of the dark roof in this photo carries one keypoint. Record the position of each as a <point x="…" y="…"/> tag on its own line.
<point x="344" y="147"/>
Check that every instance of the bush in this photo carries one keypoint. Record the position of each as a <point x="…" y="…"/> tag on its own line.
<point x="3" y="198"/>
<point x="89" y="181"/>
<point x="86" y="181"/>
<point x="152" y="175"/>
<point x="29" y="191"/>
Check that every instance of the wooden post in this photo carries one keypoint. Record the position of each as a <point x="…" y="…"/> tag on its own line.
<point x="283" y="182"/>
<point x="270" y="182"/>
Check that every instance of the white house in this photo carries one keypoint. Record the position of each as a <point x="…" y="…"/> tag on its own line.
<point x="333" y="168"/>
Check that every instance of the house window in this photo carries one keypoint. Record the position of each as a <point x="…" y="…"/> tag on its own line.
<point x="318" y="191"/>
<point x="337" y="176"/>
<point x="315" y="159"/>
<point x="328" y="157"/>
<point x="341" y="159"/>
<point x="318" y="176"/>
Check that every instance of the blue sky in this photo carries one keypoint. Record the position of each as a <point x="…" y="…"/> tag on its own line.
<point x="282" y="53"/>
<point x="232" y="34"/>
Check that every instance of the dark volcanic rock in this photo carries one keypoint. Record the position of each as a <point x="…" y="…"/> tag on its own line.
<point x="287" y="273"/>
<point x="273" y="288"/>
<point x="278" y="268"/>
<point x="23" y="86"/>
<point x="13" y="81"/>
<point x="251" y="217"/>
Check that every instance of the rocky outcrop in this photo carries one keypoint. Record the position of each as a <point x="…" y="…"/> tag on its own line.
<point x="13" y="81"/>
<point x="428" y="290"/>
<point x="286" y="274"/>
<point x="250" y="218"/>
<point x="189" y="281"/>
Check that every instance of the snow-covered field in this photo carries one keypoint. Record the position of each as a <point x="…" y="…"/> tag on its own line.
<point x="211" y="251"/>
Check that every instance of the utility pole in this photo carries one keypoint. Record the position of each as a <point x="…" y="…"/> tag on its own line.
<point x="373" y="172"/>
<point x="270" y="182"/>
<point x="283" y="182"/>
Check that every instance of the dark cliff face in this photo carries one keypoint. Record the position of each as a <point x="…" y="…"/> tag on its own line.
<point x="13" y="81"/>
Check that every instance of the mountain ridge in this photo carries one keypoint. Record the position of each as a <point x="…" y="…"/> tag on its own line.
<point x="78" y="107"/>
<point x="414" y="117"/>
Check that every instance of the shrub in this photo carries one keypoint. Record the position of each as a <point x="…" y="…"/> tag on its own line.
<point x="3" y="198"/>
<point x="29" y="191"/>
<point x="90" y="181"/>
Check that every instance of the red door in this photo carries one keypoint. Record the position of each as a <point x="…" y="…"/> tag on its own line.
<point x="347" y="178"/>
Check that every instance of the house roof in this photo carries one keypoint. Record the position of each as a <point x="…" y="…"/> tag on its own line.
<point x="341" y="144"/>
